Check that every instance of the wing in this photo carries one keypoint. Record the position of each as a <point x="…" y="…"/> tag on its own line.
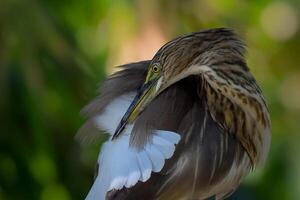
<point x="120" y="164"/>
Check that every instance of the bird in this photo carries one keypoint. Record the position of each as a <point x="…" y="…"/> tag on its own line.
<point x="191" y="123"/>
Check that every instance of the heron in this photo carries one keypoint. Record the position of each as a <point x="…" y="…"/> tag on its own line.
<point x="191" y="123"/>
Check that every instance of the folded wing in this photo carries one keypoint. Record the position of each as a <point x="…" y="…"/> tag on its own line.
<point x="122" y="165"/>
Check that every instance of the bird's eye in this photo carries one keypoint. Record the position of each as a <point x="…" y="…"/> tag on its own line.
<point x="155" y="68"/>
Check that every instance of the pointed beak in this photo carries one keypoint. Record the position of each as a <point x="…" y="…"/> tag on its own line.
<point x="144" y="96"/>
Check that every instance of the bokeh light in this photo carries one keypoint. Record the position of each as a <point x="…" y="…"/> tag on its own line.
<point x="289" y="94"/>
<point x="280" y="21"/>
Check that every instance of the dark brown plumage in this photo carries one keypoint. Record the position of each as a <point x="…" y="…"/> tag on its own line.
<point x="207" y="95"/>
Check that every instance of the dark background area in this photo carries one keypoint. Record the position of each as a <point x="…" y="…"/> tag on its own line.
<point x="54" y="54"/>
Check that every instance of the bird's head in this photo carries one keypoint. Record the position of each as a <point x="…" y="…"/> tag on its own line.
<point x="177" y="59"/>
<point x="154" y="82"/>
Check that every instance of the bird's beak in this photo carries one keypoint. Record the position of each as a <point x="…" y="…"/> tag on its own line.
<point x="144" y="96"/>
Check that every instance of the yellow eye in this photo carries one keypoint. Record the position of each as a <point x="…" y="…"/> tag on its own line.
<point x="156" y="68"/>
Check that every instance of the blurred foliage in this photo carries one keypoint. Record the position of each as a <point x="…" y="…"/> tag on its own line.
<point x="54" y="53"/>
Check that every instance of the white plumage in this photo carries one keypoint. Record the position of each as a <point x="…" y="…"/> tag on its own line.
<point x="121" y="165"/>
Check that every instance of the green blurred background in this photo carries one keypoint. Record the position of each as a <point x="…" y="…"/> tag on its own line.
<point x="53" y="54"/>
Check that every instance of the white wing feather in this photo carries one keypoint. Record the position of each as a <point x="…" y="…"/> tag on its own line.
<point x="121" y="165"/>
